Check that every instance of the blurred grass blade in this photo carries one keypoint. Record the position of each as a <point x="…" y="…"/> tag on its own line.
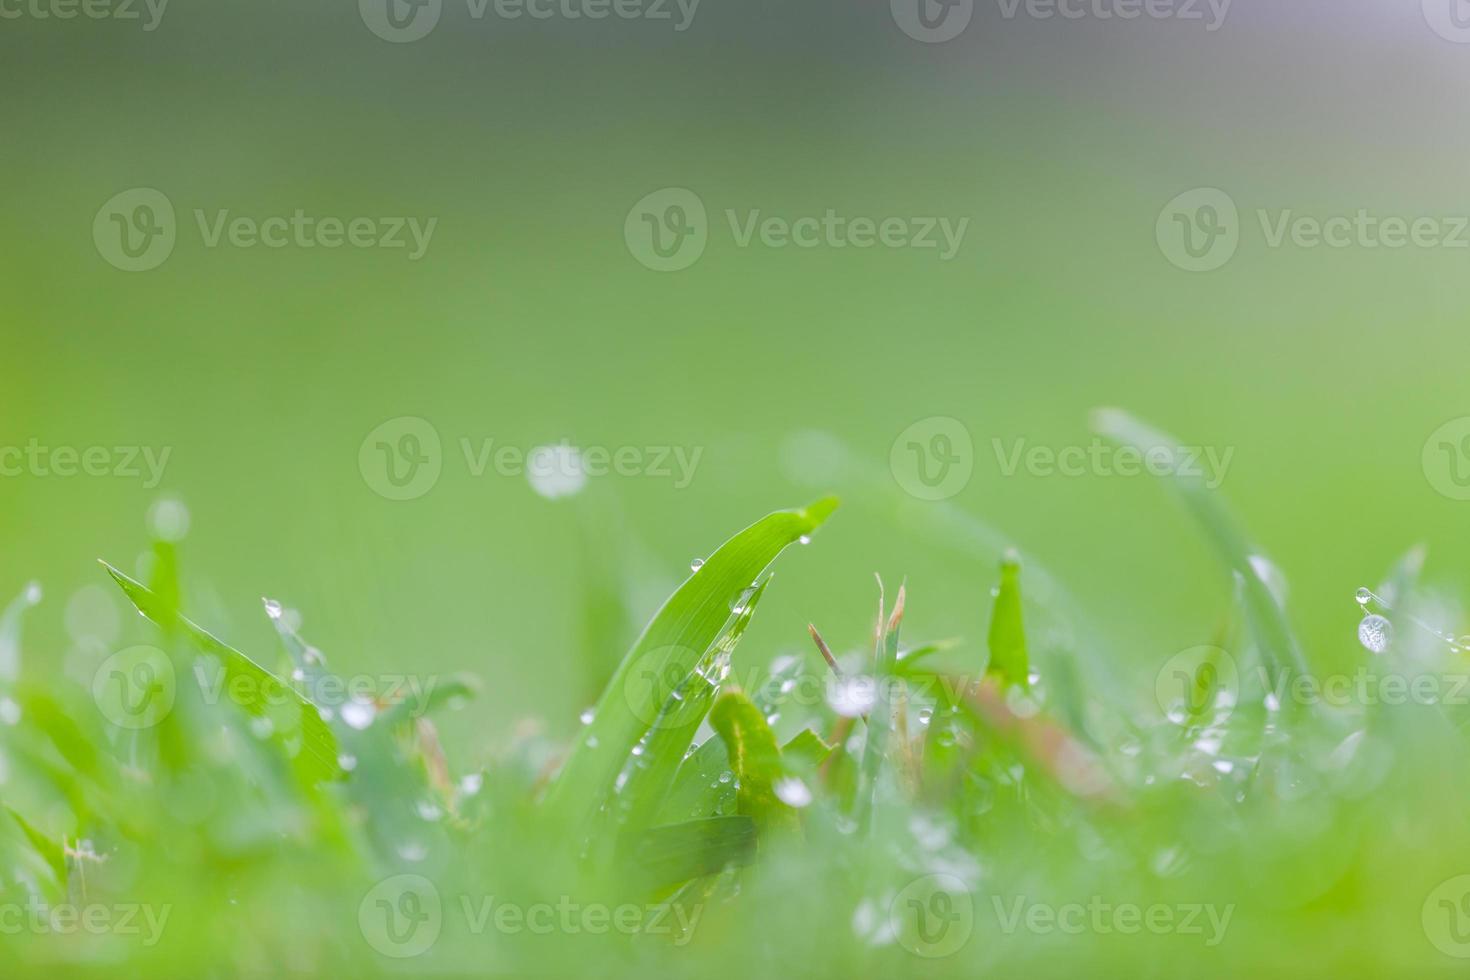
<point x="672" y="854"/>
<point x="1264" y="612"/>
<point x="672" y="645"/>
<point x="1007" y="639"/>
<point x="250" y="684"/>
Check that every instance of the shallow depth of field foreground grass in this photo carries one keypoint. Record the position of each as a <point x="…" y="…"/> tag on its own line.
<point x="881" y="804"/>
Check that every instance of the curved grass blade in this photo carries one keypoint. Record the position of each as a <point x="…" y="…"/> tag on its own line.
<point x="671" y="646"/>
<point x="252" y="686"/>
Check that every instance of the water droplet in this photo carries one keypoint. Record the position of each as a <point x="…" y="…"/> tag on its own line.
<point x="471" y="784"/>
<point x="347" y="762"/>
<point x="741" y="603"/>
<point x="587" y="716"/>
<point x="638" y="749"/>
<point x="793" y="792"/>
<point x="696" y="564"/>
<point x="412" y="850"/>
<point x="852" y="696"/>
<point x="33" y="593"/>
<point x="273" y="609"/>
<point x="556" y="471"/>
<point x="592" y="741"/>
<point x="168" y="520"/>
<point x="1375" y="633"/>
<point x="725" y="777"/>
<point x="358" y="714"/>
<point x="262" y="728"/>
<point x="429" y="811"/>
<point x="1364" y="597"/>
<point x="804" y="539"/>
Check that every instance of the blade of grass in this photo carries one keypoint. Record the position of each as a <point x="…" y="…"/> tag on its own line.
<point x="690" y="622"/>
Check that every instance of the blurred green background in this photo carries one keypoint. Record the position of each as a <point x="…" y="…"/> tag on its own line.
<point x="529" y="321"/>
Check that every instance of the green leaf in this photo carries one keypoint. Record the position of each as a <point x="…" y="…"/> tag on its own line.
<point x="1007" y="639"/>
<point x="671" y="854"/>
<point x="754" y="757"/>
<point x="806" y="748"/>
<point x="692" y="621"/>
<point x="318" y="746"/>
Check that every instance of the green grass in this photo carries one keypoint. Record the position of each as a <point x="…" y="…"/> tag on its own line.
<point x="929" y="808"/>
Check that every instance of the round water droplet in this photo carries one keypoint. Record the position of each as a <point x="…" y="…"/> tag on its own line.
<point x="33" y="593"/>
<point x="273" y="609"/>
<point x="358" y="714"/>
<point x="168" y="520"/>
<point x="638" y="749"/>
<point x="793" y="792"/>
<point x="1364" y="597"/>
<point x="587" y="716"/>
<point x="804" y="539"/>
<point x="471" y="783"/>
<point x="696" y="564"/>
<point x="556" y="471"/>
<point x="347" y="762"/>
<point x="1375" y="633"/>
